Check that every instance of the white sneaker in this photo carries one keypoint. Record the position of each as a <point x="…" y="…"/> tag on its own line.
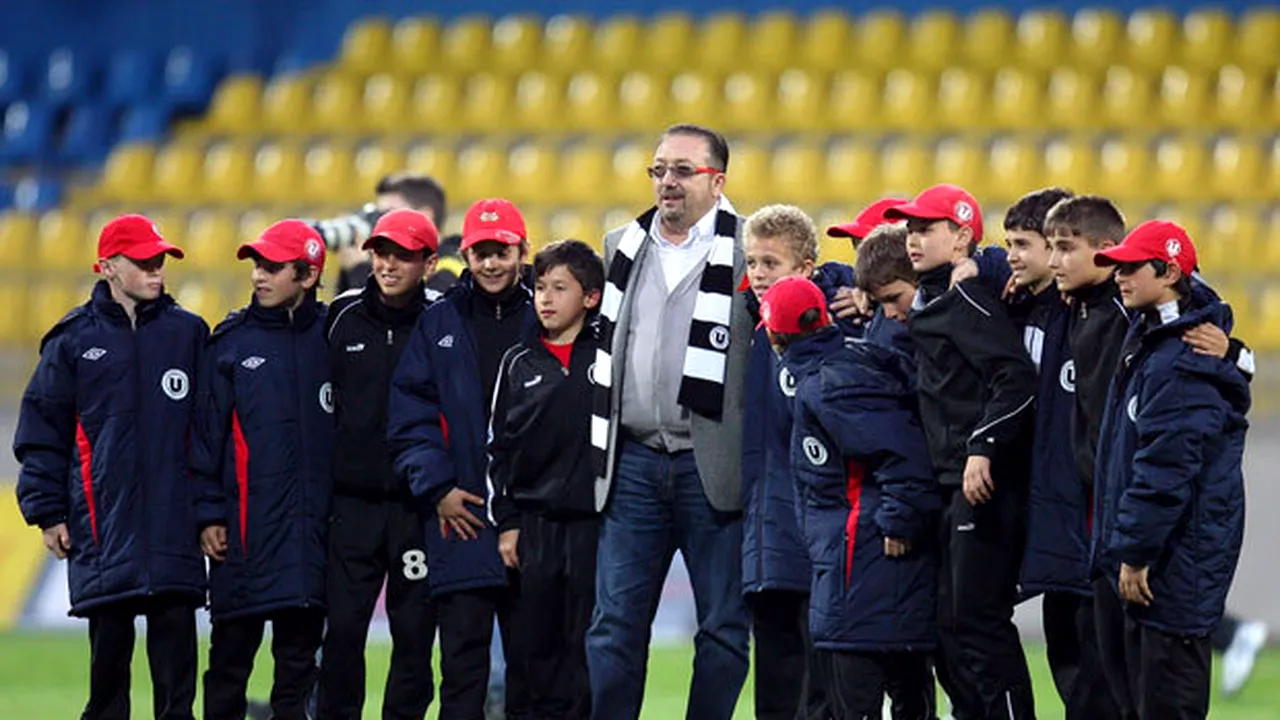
<point x="1237" y="661"/>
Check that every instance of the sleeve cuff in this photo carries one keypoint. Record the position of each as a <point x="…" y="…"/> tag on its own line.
<point x="435" y="496"/>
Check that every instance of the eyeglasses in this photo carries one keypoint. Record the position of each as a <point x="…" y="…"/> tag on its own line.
<point x="681" y="171"/>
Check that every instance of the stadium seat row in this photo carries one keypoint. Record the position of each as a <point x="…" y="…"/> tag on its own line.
<point x="182" y="79"/>
<point x="601" y="172"/>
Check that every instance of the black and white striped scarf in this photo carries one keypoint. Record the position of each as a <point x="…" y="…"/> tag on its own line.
<point x="707" y="354"/>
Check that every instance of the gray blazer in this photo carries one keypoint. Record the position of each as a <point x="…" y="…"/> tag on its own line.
<point x="717" y="444"/>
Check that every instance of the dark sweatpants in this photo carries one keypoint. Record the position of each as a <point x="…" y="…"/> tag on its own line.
<point x="789" y="680"/>
<point x="1071" y="643"/>
<point x="171" y="653"/>
<point x="295" y="638"/>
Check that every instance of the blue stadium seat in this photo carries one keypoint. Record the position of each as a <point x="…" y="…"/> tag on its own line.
<point x="131" y="77"/>
<point x="37" y="194"/>
<point x="189" y="79"/>
<point x="87" y="135"/>
<point x="145" y="121"/>
<point x="13" y="78"/>
<point x="27" y="132"/>
<point x="69" y="76"/>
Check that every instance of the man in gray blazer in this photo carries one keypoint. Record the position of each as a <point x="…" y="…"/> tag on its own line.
<point x="668" y="430"/>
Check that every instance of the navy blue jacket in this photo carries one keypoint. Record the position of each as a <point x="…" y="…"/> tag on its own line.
<point x="773" y="553"/>
<point x="263" y="457"/>
<point x="1056" y="558"/>
<point x="1169" y="486"/>
<point x="102" y="439"/>
<point x="862" y="466"/>
<point x="437" y="429"/>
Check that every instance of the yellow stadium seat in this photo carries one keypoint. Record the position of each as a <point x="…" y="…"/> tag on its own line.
<point x="748" y="181"/>
<point x="16" y="231"/>
<point x="539" y="101"/>
<point x="800" y="99"/>
<point x="235" y="104"/>
<point x="1206" y="38"/>
<point x="1014" y="165"/>
<point x="211" y="239"/>
<point x="615" y="45"/>
<point x="286" y="103"/>
<point x="962" y="99"/>
<point x="434" y="159"/>
<point x="795" y="169"/>
<point x="515" y="44"/>
<point x="583" y="175"/>
<point x="1180" y="167"/>
<point x="277" y="170"/>
<point x="481" y="172"/>
<point x="1230" y="238"/>
<point x="1097" y="36"/>
<point x="1040" y="39"/>
<point x="63" y="242"/>
<point x="1069" y="163"/>
<point x="1238" y="98"/>
<point x="1235" y="168"/>
<point x="228" y="172"/>
<point x="851" y="172"/>
<point x="1269" y="238"/>
<point x="879" y="42"/>
<point x="13" y="322"/>
<point x="1271" y="118"/>
<point x="415" y="45"/>
<point x="720" y="43"/>
<point x="1271" y="170"/>
<point x="666" y="32"/>
<point x="642" y="101"/>
<point x="1150" y="38"/>
<point x="566" y="43"/>
<point x="536" y="228"/>
<point x="904" y="168"/>
<point x="1257" y="37"/>
<point x="464" y="44"/>
<point x="364" y="45"/>
<point x="177" y="172"/>
<point x="486" y="102"/>
<point x="825" y="41"/>
<point x="1188" y="216"/>
<point x="385" y="102"/>
<point x="909" y="100"/>
<point x="589" y="101"/>
<point x="202" y="298"/>
<point x="437" y="104"/>
<point x="573" y="224"/>
<point x="988" y="35"/>
<point x="772" y="41"/>
<point x="1268" y="320"/>
<point x="251" y="223"/>
<point x="335" y="104"/>
<point x="1126" y="98"/>
<point x="961" y="162"/>
<point x="1124" y="168"/>
<point x="1184" y="98"/>
<point x="327" y="174"/>
<point x="531" y="173"/>
<point x="629" y="183"/>
<point x="933" y="40"/>
<point x="1017" y="99"/>
<point x="1071" y="101"/>
<point x="854" y="100"/>
<point x="127" y="173"/>
<point x="49" y="300"/>
<point x="97" y="219"/>
<point x="746" y="104"/>
<point x="373" y="161"/>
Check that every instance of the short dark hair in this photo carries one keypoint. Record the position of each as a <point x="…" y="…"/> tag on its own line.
<point x="301" y="268"/>
<point x="882" y="258"/>
<point x="582" y="261"/>
<point x="1029" y="212"/>
<point x="1091" y="217"/>
<point x="1182" y="286"/>
<point x="420" y="191"/>
<point x="717" y="146"/>
<point x="810" y="322"/>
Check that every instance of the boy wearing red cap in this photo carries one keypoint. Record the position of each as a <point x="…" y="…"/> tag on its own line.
<point x="102" y="441"/>
<point x="1169" y="507"/>
<point x="867" y="503"/>
<point x="871" y="217"/>
<point x="977" y="392"/>
<point x="437" y="429"/>
<point x="375" y="530"/>
<point x="261" y="462"/>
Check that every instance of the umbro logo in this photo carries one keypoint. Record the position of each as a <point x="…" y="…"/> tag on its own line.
<point x="94" y="353"/>
<point x="252" y="363"/>
<point x="446" y="341"/>
<point x="358" y="347"/>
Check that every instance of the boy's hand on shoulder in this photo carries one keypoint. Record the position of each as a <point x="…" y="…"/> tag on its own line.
<point x="978" y="484"/>
<point x="57" y="540"/>
<point x="454" y="515"/>
<point x="1207" y="339"/>
<point x="1133" y="585"/>
<point x="965" y="270"/>
<point x="507" y="543"/>
<point x="850" y="303"/>
<point x="213" y="541"/>
<point x="896" y="548"/>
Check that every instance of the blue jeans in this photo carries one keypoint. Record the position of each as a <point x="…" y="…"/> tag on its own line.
<point x="658" y="506"/>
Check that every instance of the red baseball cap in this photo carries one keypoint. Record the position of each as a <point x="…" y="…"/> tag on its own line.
<point x="1153" y="240"/>
<point x="789" y="298"/>
<point x="942" y="202"/>
<point x="286" y="241"/>
<point x="493" y="219"/>
<point x="871" y="217"/>
<point x="135" y="237"/>
<point x="407" y="228"/>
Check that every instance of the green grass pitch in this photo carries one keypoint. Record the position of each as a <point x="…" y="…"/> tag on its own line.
<point x="45" y="677"/>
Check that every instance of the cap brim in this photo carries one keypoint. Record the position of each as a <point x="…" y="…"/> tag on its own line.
<point x="506" y="237"/>
<point x="1121" y="254"/>
<point x="853" y="231"/>
<point x="145" y="252"/>
<point x="404" y="240"/>
<point x="911" y="210"/>
<point x="266" y="251"/>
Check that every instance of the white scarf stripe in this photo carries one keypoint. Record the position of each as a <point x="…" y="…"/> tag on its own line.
<point x="704" y="365"/>
<point x="713" y="308"/>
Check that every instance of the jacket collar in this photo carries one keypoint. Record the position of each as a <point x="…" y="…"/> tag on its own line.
<point x="280" y="317"/>
<point x="933" y="284"/>
<point x="804" y="353"/>
<point x="106" y="306"/>
<point x="407" y="315"/>
<point x="468" y="296"/>
<point x="1093" y="295"/>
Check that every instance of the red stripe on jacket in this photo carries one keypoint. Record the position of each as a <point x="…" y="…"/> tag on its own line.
<point x="853" y="491"/>
<point x="242" y="475"/>
<point x="86" y="476"/>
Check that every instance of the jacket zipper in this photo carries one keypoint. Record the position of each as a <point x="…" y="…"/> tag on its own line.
<point x="302" y="434"/>
<point x="142" y="454"/>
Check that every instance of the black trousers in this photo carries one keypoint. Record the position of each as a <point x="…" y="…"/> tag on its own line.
<point x="1153" y="674"/>
<point x="1225" y="633"/>
<point x="1071" y="642"/>
<point x="981" y="664"/>
<point x="466" y="631"/>
<point x="171" y="654"/>
<point x="372" y="542"/>
<point x="295" y="638"/>
<point x="551" y="599"/>
<point x="789" y="679"/>
<point x="860" y="681"/>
